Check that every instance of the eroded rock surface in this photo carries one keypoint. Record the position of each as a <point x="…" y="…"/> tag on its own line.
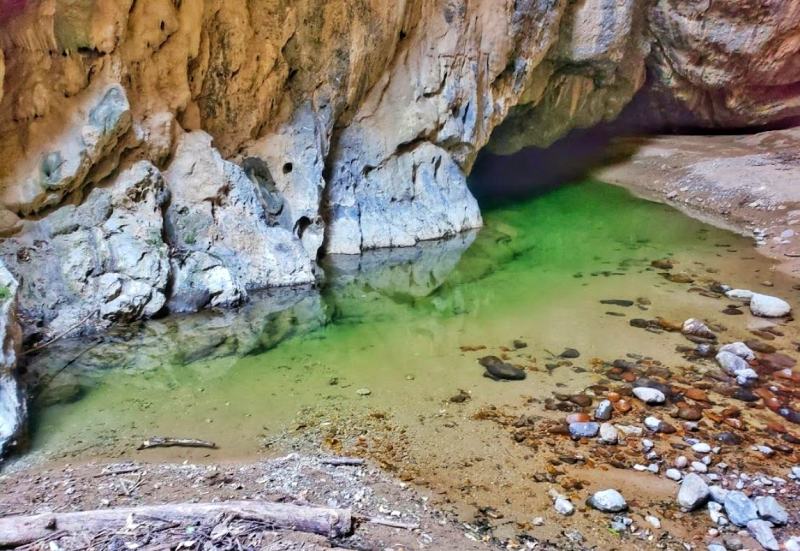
<point x="13" y="408"/>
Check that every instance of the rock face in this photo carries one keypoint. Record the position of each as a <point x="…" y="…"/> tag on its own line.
<point x="13" y="409"/>
<point x="180" y="155"/>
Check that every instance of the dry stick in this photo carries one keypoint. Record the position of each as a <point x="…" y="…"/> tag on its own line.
<point x="325" y="521"/>
<point x="59" y="336"/>
<point x="391" y="523"/>
<point x="168" y="442"/>
<point x="342" y="461"/>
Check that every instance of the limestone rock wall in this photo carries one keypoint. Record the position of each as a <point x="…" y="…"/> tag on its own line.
<point x="167" y="156"/>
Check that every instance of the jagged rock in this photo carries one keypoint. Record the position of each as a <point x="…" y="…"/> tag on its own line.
<point x="761" y="530"/>
<point x="740" y="508"/>
<point x="649" y="395"/>
<point x="697" y="328"/>
<point x="13" y="406"/>
<point x="731" y="363"/>
<point x="769" y="509"/>
<point x="96" y="263"/>
<point x="693" y="492"/>
<point x="218" y="227"/>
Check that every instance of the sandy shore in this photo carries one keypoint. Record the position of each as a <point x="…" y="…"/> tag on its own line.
<point x="749" y="184"/>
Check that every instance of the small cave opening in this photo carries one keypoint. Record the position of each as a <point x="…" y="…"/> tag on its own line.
<point x="532" y="171"/>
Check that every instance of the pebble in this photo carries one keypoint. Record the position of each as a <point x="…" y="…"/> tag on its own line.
<point x="649" y="395"/>
<point x="697" y="328"/>
<point x="652" y="423"/>
<point x="701" y="447"/>
<point x="715" y="513"/>
<point x="629" y="430"/>
<point x="673" y="474"/>
<point x="767" y="306"/>
<point x="603" y="410"/>
<point x="497" y="369"/>
<point x="762" y="532"/>
<point x="740" y="508"/>
<point x="608" y="434"/>
<point x="681" y="462"/>
<point x="769" y="509"/>
<point x="363" y="392"/>
<point x="653" y="521"/>
<point x="689" y="413"/>
<point x="716" y="547"/>
<point x="740" y="349"/>
<point x="693" y="492"/>
<point x="608" y="501"/>
<point x="538" y="521"/>
<point x="564" y="507"/>
<point x="699" y="467"/>
<point x="730" y="362"/>
<point x="570" y="353"/>
<point x="584" y="430"/>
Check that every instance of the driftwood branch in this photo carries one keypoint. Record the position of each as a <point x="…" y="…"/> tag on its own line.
<point x="329" y="522"/>
<point x="167" y="442"/>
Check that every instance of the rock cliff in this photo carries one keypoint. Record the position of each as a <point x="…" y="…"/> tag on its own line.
<point x="167" y="156"/>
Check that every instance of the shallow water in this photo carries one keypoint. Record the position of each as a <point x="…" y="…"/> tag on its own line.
<point x="394" y="323"/>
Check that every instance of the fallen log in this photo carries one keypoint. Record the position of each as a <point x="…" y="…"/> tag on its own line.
<point x="168" y="442"/>
<point x="325" y="521"/>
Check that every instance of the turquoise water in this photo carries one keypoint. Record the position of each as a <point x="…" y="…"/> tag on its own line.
<point x="392" y="324"/>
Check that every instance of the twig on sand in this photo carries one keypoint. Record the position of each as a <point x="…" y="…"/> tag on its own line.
<point x="169" y="442"/>
<point x="389" y="522"/>
<point x="342" y="461"/>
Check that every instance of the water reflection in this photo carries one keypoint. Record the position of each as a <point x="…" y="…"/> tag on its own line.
<point x="61" y="372"/>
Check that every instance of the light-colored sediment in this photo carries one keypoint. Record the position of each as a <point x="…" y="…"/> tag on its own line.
<point x="748" y="184"/>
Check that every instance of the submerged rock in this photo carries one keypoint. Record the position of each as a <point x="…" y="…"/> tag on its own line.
<point x="697" y="328"/>
<point x="499" y="370"/>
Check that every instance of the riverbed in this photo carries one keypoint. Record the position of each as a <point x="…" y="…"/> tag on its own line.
<point x="382" y="360"/>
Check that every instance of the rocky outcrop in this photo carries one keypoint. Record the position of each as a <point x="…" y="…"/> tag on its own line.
<point x="13" y="408"/>
<point x="224" y="145"/>
<point x="725" y="64"/>
<point x="97" y="262"/>
<point x="222" y="228"/>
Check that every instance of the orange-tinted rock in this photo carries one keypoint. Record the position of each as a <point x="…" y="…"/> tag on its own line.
<point x="622" y="406"/>
<point x="578" y="418"/>
<point x="696" y="394"/>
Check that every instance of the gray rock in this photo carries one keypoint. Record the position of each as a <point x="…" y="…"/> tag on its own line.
<point x="584" y="430"/>
<point x="673" y="474"/>
<point x="603" y="410"/>
<point x="740" y="349"/>
<point x="740" y="508"/>
<point x="608" y="501"/>
<point x="768" y="306"/>
<point x="649" y="395"/>
<point x="13" y="407"/>
<point x="761" y="530"/>
<point x="563" y="506"/>
<point x="731" y="363"/>
<point x="96" y="263"/>
<point x="718" y="493"/>
<point x="608" y="433"/>
<point x="697" y="328"/>
<point x="716" y="547"/>
<point x="217" y="223"/>
<point x="742" y="294"/>
<point x="693" y="492"/>
<point x="769" y="509"/>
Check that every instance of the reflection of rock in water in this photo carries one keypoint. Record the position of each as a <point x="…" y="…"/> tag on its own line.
<point x="61" y="370"/>
<point x="409" y="271"/>
<point x="179" y="340"/>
